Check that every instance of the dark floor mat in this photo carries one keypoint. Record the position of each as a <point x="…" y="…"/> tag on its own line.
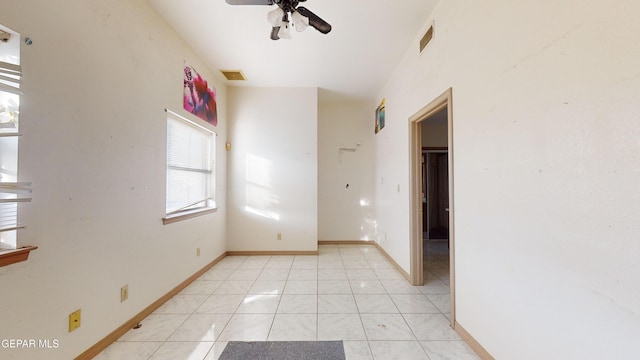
<point x="284" y="350"/>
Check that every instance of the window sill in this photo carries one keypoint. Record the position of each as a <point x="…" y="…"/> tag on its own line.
<point x="8" y="257"/>
<point x="187" y="215"/>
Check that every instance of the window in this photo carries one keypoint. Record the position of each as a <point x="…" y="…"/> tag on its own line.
<point x="190" y="169"/>
<point x="13" y="194"/>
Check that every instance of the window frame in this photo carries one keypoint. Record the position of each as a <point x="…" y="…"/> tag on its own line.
<point x="189" y="211"/>
<point x="13" y="193"/>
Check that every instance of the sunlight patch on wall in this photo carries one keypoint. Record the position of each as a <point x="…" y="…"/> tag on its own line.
<point x="259" y="196"/>
<point x="368" y="225"/>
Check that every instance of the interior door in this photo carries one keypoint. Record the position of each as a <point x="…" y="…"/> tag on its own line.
<point x="425" y="208"/>
<point x="438" y="195"/>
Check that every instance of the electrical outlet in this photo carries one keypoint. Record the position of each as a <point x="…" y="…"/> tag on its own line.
<point x="124" y="293"/>
<point x="74" y="320"/>
<point x="279" y="237"/>
<point x="198" y="252"/>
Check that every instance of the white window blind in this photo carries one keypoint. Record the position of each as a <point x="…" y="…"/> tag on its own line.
<point x="14" y="195"/>
<point x="190" y="166"/>
<point x="10" y="78"/>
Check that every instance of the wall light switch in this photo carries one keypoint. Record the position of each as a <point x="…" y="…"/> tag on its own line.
<point x="124" y="293"/>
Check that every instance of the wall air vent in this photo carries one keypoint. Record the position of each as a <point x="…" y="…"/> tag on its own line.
<point x="233" y="74"/>
<point x="426" y="38"/>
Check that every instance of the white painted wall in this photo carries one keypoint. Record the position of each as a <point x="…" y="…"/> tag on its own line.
<point x="96" y="81"/>
<point x="434" y="135"/>
<point x="346" y="213"/>
<point x="546" y="171"/>
<point x="391" y="183"/>
<point x="273" y="169"/>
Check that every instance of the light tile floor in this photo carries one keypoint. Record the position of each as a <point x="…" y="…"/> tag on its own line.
<point x="347" y="292"/>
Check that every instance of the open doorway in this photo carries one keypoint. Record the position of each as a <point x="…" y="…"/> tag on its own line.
<point x="432" y="213"/>
<point x="435" y="177"/>
<point x="435" y="197"/>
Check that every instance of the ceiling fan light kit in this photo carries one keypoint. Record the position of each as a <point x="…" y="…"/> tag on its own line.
<point x="300" y="22"/>
<point x="301" y="17"/>
<point x="283" y="31"/>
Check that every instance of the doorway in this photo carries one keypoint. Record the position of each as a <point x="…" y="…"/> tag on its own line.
<point x="432" y="206"/>
<point x="435" y="176"/>
<point x="435" y="193"/>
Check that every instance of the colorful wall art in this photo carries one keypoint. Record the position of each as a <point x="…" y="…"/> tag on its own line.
<point x="380" y="117"/>
<point x="199" y="98"/>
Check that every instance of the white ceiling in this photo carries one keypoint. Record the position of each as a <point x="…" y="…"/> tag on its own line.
<point x="354" y="60"/>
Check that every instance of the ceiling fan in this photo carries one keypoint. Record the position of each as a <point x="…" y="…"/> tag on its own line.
<point x="279" y="18"/>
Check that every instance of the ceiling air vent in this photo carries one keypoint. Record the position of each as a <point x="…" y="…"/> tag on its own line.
<point x="426" y="38"/>
<point x="233" y="74"/>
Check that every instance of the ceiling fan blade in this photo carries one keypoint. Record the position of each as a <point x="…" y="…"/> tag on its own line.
<point x="314" y="20"/>
<point x="250" y="2"/>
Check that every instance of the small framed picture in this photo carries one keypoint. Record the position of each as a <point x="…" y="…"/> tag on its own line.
<point x="380" y="117"/>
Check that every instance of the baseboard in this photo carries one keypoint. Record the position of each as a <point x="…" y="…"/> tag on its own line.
<point x="394" y="263"/>
<point x="372" y="243"/>
<point x="473" y="343"/>
<point x="116" y="334"/>
<point x="269" y="253"/>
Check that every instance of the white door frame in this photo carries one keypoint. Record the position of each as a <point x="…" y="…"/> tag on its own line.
<point x="415" y="155"/>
